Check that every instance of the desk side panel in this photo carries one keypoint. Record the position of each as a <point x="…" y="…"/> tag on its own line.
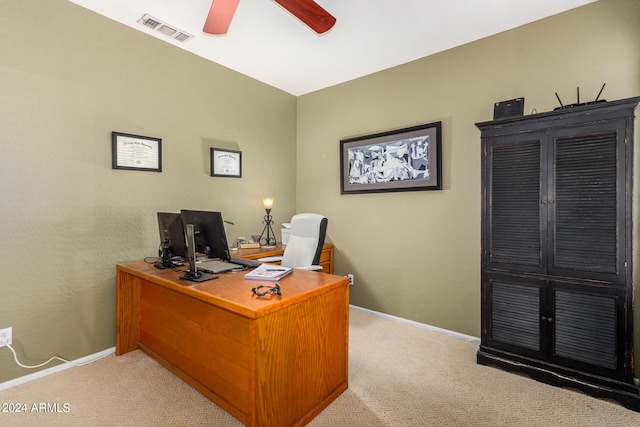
<point x="127" y="312"/>
<point x="302" y="359"/>
<point x="207" y="346"/>
<point x="326" y="259"/>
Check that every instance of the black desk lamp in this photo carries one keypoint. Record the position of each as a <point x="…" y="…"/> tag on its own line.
<point x="270" y="238"/>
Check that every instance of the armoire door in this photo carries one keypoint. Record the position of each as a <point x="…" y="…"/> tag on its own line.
<point x="514" y="220"/>
<point x="512" y="318"/>
<point x="584" y="328"/>
<point x="587" y="209"/>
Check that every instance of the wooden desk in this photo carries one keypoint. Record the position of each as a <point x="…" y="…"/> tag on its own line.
<point x="269" y="361"/>
<point x="326" y="257"/>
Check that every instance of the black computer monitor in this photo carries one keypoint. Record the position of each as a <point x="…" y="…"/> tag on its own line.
<point x="172" y="234"/>
<point x="210" y="237"/>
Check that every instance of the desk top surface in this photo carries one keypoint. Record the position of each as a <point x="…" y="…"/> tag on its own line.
<point x="232" y="292"/>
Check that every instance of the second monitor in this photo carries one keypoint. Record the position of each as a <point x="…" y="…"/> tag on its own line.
<point x="172" y="234"/>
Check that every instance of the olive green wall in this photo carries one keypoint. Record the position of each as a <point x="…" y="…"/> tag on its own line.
<point x="68" y="78"/>
<point x="416" y="255"/>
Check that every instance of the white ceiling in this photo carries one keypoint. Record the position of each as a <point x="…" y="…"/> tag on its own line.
<point x="267" y="43"/>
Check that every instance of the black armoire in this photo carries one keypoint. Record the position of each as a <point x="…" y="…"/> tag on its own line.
<point x="557" y="238"/>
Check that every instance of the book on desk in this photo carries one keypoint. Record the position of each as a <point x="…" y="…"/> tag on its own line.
<point x="270" y="272"/>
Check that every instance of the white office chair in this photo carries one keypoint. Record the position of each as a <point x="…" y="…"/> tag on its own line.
<point x="308" y="231"/>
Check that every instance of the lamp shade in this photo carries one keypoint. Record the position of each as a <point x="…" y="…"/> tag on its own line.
<point x="267" y="202"/>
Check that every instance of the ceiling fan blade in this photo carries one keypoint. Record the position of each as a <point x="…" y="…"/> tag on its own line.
<point x="310" y="13"/>
<point x="220" y="16"/>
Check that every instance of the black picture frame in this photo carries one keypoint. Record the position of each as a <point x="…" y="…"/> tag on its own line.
<point x="407" y="159"/>
<point x="136" y="152"/>
<point x="226" y="163"/>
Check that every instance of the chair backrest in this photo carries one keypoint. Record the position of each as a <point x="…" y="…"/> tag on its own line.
<point x="308" y="231"/>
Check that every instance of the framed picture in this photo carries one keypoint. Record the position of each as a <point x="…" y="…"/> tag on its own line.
<point x="226" y="163"/>
<point x="407" y="159"/>
<point x="135" y="152"/>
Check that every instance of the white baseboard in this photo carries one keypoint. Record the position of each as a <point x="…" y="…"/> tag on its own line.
<point x="64" y="366"/>
<point x="418" y="325"/>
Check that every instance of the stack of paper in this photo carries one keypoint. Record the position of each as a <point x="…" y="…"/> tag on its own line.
<point x="269" y="272"/>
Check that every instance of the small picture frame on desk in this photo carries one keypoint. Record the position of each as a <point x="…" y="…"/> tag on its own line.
<point x="226" y="163"/>
<point x="136" y="152"/>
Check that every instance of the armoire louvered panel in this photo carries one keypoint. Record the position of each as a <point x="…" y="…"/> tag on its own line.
<point x="515" y="315"/>
<point x="586" y="204"/>
<point x="585" y="328"/>
<point x="515" y="203"/>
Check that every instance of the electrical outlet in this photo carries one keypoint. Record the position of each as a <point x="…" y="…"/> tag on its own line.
<point x="5" y="336"/>
<point x="350" y="276"/>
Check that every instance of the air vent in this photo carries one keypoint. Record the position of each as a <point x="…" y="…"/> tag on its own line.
<point x="168" y="30"/>
<point x="182" y="37"/>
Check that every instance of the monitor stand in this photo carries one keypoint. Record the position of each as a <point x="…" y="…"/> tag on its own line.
<point x="194" y="275"/>
<point x="198" y="276"/>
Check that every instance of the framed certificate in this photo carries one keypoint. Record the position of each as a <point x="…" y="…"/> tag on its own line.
<point x="226" y="163"/>
<point x="135" y="152"/>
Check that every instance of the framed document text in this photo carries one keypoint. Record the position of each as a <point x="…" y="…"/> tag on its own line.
<point x="135" y="152"/>
<point x="226" y="163"/>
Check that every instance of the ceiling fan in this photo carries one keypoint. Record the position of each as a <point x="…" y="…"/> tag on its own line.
<point x="307" y="11"/>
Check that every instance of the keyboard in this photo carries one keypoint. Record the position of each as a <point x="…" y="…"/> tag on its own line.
<point x="245" y="262"/>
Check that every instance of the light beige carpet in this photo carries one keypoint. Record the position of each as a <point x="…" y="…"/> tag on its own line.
<point x="400" y="375"/>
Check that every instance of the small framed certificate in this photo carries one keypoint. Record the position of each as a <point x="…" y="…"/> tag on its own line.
<point x="135" y="152"/>
<point x="226" y="163"/>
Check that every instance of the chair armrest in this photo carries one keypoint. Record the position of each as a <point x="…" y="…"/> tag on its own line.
<point x="270" y="259"/>
<point x="311" y="267"/>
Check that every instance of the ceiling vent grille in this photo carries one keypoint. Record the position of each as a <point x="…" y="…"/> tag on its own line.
<point x="168" y="30"/>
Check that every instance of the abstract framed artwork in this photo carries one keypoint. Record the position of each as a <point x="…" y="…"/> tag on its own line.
<point x="407" y="159"/>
